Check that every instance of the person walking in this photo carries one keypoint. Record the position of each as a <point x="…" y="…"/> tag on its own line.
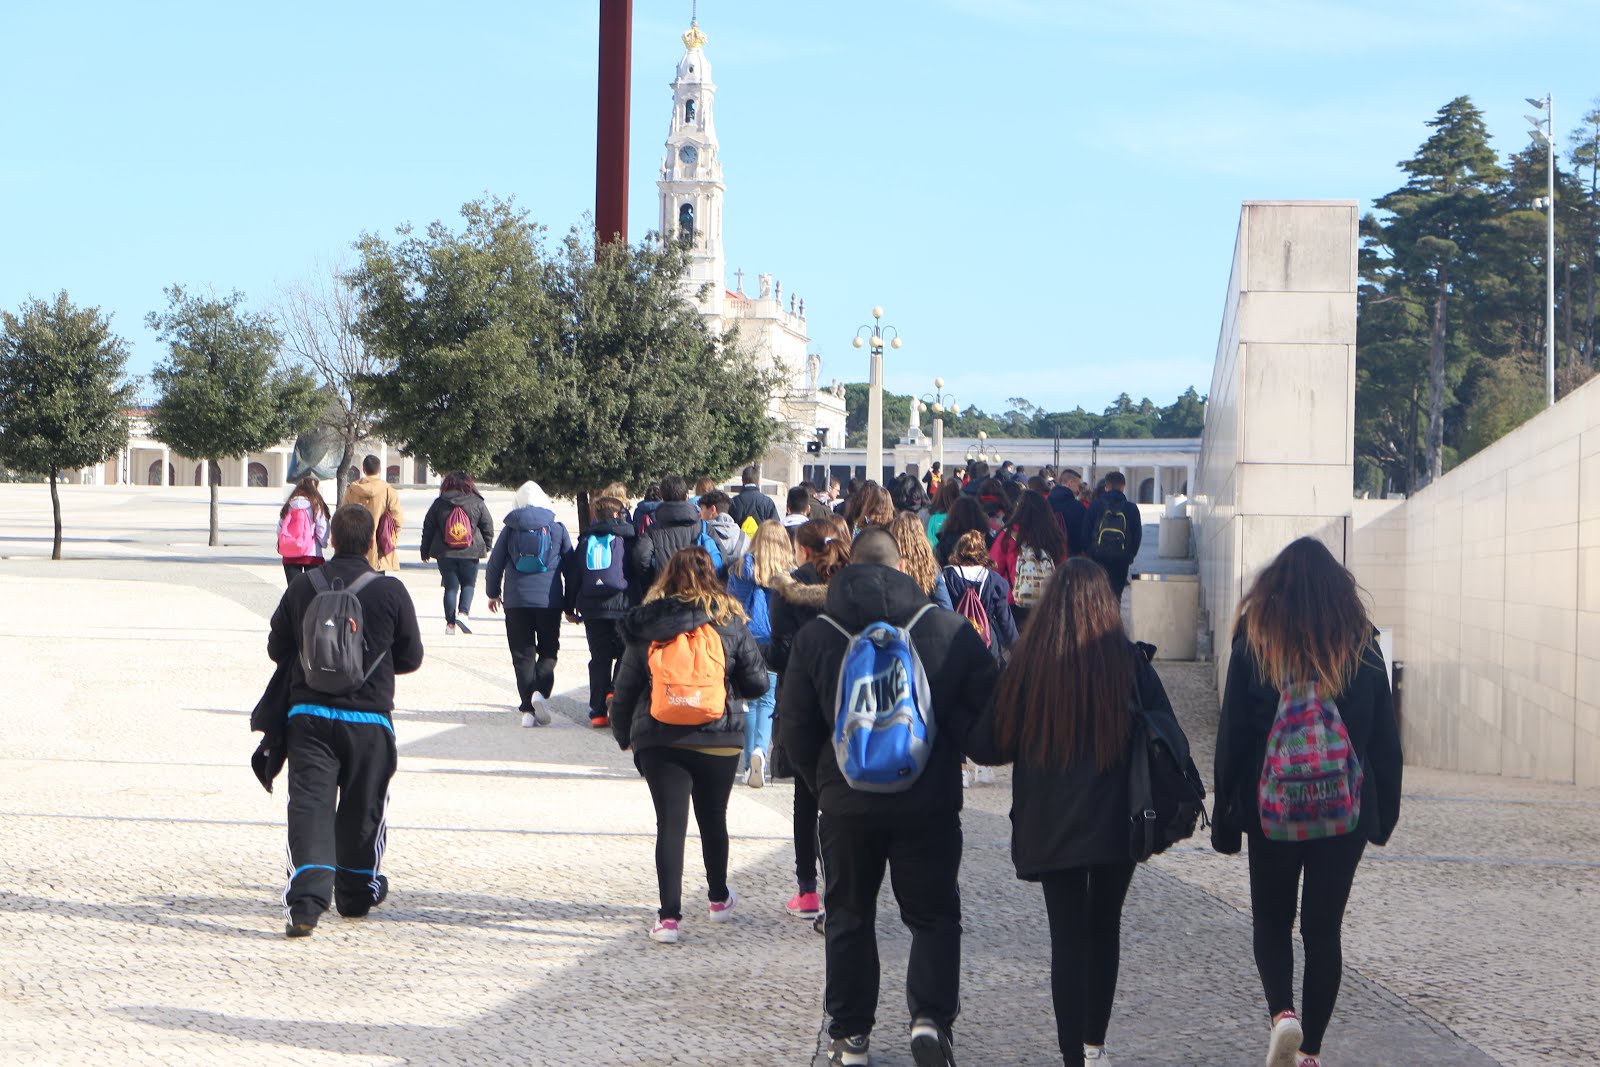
<point x="1069" y="511"/>
<point x="751" y="580"/>
<point x="1307" y="679"/>
<point x="603" y="581"/>
<point x="716" y="522"/>
<point x="750" y="507"/>
<point x="456" y="533"/>
<point x="1027" y="552"/>
<point x="797" y="507"/>
<point x="382" y="500"/>
<point x="675" y="525"/>
<point x="971" y="569"/>
<point x="939" y="510"/>
<point x="965" y="515"/>
<point x="1069" y="793"/>
<point x="871" y="505"/>
<point x="915" y="833"/>
<point x="1114" y="531"/>
<point x="339" y="733"/>
<point x="525" y="565"/>
<point x="302" y="528"/>
<point x="916" y="558"/>
<point x="690" y="659"/>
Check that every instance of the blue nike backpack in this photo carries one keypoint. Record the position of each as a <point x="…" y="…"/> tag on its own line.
<point x="883" y="727"/>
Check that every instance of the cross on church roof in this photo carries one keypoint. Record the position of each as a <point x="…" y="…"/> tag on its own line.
<point x="738" y="281"/>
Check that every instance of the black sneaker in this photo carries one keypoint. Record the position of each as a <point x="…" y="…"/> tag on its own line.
<point x="356" y="906"/>
<point x="298" y="929"/>
<point x="930" y="1045"/>
<point x="849" y="1051"/>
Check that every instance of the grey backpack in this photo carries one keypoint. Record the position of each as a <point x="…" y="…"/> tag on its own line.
<point x="333" y="636"/>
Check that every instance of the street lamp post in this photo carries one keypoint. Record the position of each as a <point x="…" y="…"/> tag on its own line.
<point x="876" y="333"/>
<point x="1544" y="129"/>
<point x="976" y="452"/>
<point x="938" y="402"/>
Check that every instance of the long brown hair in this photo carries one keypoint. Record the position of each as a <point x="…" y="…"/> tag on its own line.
<point x="1034" y="526"/>
<point x="830" y="552"/>
<point x="871" y="505"/>
<point x="916" y="555"/>
<point x="1064" y="697"/>
<point x="971" y="551"/>
<point x="690" y="577"/>
<point x="1303" y="619"/>
<point x="307" y="487"/>
<point x="949" y="492"/>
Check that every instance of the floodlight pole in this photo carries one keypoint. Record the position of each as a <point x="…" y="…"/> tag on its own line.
<point x="1550" y="253"/>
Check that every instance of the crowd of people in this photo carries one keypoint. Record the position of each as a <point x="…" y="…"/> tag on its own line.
<point x="883" y="646"/>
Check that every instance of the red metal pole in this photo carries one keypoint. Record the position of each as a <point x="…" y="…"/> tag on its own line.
<point x="611" y="143"/>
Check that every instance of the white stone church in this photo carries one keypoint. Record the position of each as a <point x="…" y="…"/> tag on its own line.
<point x="691" y="193"/>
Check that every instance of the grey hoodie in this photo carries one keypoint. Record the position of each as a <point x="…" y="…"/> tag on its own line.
<point x="729" y="538"/>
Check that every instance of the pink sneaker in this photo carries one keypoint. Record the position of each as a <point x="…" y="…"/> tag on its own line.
<point x="722" y="910"/>
<point x="665" y="932"/>
<point x="804" y="906"/>
<point x="1307" y="1060"/>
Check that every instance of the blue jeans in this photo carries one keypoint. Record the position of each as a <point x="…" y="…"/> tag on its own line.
<point x="459" y="578"/>
<point x="758" y="721"/>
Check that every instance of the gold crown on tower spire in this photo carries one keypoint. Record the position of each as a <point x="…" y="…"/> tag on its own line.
<point x="693" y="37"/>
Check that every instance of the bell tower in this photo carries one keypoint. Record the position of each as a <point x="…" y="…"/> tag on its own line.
<point x="691" y="178"/>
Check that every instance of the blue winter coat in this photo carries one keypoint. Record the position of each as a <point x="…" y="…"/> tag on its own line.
<point x="522" y="590"/>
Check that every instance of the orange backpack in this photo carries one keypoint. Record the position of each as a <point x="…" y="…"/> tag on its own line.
<point x="688" y="678"/>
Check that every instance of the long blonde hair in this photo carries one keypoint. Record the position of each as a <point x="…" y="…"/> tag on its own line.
<point x="773" y="554"/>
<point x="916" y="555"/>
<point x="690" y="577"/>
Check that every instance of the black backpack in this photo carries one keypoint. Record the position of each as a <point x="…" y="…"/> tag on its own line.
<point x="1166" y="797"/>
<point x="333" y="636"/>
<point x="1109" y="541"/>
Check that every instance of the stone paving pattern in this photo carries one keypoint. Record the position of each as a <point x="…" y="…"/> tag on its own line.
<point x="142" y="866"/>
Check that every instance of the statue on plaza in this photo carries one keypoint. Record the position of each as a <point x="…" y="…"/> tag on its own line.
<point x="765" y="283"/>
<point x="317" y="452"/>
<point x="813" y="368"/>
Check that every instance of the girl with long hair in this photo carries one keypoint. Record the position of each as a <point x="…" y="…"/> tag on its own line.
<point x="457" y="545"/>
<point x="302" y="538"/>
<point x="1032" y="547"/>
<point x="916" y="558"/>
<point x="753" y="580"/>
<point x="1303" y="641"/>
<point x="822" y="547"/>
<point x="1062" y="714"/>
<point x="943" y="500"/>
<point x="965" y="515"/>
<point x="686" y="763"/>
<point x="871" y="505"/>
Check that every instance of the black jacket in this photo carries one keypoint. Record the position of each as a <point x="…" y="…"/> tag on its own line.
<point x="391" y="627"/>
<point x="1070" y="512"/>
<point x="676" y="526"/>
<point x="961" y="675"/>
<point x="660" y="620"/>
<point x="433" y="546"/>
<point x="1114" y="498"/>
<point x="750" y="500"/>
<point x="1249" y="706"/>
<point x="1077" y="817"/>
<point x="799" y="600"/>
<point x="616" y="605"/>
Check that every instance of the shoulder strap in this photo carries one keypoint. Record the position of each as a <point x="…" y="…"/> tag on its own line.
<point x="319" y="580"/>
<point x="362" y="582"/>
<point x="831" y="621"/>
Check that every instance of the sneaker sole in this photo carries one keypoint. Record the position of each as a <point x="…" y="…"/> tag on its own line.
<point x="662" y="937"/>
<point x="1284" y="1045"/>
<point x="807" y="914"/>
<point x="756" y="777"/>
<point x="541" y="714"/>
<point x="298" y="929"/>
<point x="932" y="1050"/>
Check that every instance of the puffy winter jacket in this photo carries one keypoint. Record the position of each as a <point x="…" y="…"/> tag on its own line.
<point x="613" y="605"/>
<point x="542" y="590"/>
<point x="433" y="523"/>
<point x="676" y="525"/>
<point x="799" y="600"/>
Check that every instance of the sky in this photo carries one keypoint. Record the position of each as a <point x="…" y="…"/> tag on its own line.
<point x="1042" y="196"/>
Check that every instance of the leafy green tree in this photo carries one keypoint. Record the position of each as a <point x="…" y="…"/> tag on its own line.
<point x="1511" y="393"/>
<point x="576" y="367"/>
<point x="1184" y="417"/>
<point x="63" y="400"/>
<point x="896" y="415"/>
<point x="221" y="391"/>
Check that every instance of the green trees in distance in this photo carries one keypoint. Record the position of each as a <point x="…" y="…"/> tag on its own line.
<point x="1451" y="320"/>
<point x="63" y="399"/>
<point x="220" y="390"/>
<point x="571" y="366"/>
<point x="1184" y="417"/>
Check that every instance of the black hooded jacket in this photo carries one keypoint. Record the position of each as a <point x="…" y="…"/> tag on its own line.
<point x="961" y="676"/>
<point x="581" y="602"/>
<point x="433" y="523"/>
<point x="676" y="526"/>
<point x="661" y="620"/>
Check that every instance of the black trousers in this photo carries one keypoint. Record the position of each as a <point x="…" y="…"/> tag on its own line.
<point x="1118" y="573"/>
<point x="677" y="777"/>
<point x="924" y="859"/>
<point x="805" y="835"/>
<point x="534" y="637"/>
<point x="605" y="652"/>
<point x="291" y="571"/>
<point x="339" y="776"/>
<point x="1085" y="909"/>
<point x="1329" y="866"/>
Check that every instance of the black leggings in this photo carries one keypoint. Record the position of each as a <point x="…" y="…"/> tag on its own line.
<point x="534" y="637"/>
<point x="1330" y="868"/>
<point x="805" y="836"/>
<point x="1085" y="909"/>
<point x="675" y="777"/>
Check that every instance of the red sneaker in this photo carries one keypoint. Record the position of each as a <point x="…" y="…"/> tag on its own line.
<point x="804" y="906"/>
<point x="599" y="722"/>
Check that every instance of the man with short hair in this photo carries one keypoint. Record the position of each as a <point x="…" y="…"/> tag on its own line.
<point x="731" y="541"/>
<point x="751" y="507"/>
<point x="373" y="492"/>
<point x="1069" y="510"/>
<point x="676" y="524"/>
<point x="341" y="749"/>
<point x="819" y="506"/>
<point x="915" y="833"/>
<point x="797" y="508"/>
<point x="1115" y="554"/>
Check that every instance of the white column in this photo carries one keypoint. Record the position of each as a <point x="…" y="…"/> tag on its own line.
<point x="1188" y="479"/>
<point x="1158" y="496"/>
<point x="875" y="418"/>
<point x="244" y="471"/>
<point x="938" y="442"/>
<point x="166" y="463"/>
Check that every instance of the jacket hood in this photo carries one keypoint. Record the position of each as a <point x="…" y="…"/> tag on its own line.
<point x="619" y="527"/>
<point x="648" y="507"/>
<point x="530" y="518"/>
<point x="530" y="495"/>
<point x="811" y="594"/>
<point x="457" y="498"/>
<point x="864" y="593"/>
<point x="299" y="502"/>
<point x="677" y="513"/>
<point x="1115" y="495"/>
<point x="661" y="620"/>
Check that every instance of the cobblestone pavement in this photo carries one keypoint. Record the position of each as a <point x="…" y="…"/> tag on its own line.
<point x="141" y="867"/>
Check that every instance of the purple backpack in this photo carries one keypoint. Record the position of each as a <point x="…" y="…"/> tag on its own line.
<point x="1311" y="779"/>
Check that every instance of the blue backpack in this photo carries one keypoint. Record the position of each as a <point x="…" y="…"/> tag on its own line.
<point x="704" y="540"/>
<point x="883" y="727"/>
<point x="602" y="567"/>
<point x="528" y="549"/>
<point x="754" y="599"/>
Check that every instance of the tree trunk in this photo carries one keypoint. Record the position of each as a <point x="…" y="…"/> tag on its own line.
<point x="1411" y="445"/>
<point x="1436" y="347"/>
<point x="584" y="515"/>
<point x="55" y="506"/>
<point x="342" y="482"/>
<point x="213" y="479"/>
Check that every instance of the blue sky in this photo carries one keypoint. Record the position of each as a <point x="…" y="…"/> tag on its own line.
<point x="1043" y="196"/>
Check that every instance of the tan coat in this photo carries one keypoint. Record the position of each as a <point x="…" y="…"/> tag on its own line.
<point x="377" y="496"/>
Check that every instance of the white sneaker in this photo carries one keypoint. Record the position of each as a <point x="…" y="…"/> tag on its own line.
<point x="463" y="622"/>
<point x="721" y="911"/>
<point x="449" y="629"/>
<point x="1284" y="1044"/>
<point x="1095" y="1052"/>
<point x="757" y="776"/>
<point x="528" y="719"/>
<point x="541" y="710"/>
<point x="665" y="932"/>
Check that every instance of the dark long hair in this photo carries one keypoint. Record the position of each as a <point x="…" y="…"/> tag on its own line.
<point x="307" y="487"/>
<point x="830" y="551"/>
<point x="907" y="493"/>
<point x="1303" y="619"/>
<point x="965" y="514"/>
<point x="945" y="498"/>
<point x="871" y="505"/>
<point x="459" y="482"/>
<point x="1034" y="525"/>
<point x="1064" y="697"/>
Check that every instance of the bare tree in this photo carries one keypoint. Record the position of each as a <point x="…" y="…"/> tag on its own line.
<point x="317" y="317"/>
